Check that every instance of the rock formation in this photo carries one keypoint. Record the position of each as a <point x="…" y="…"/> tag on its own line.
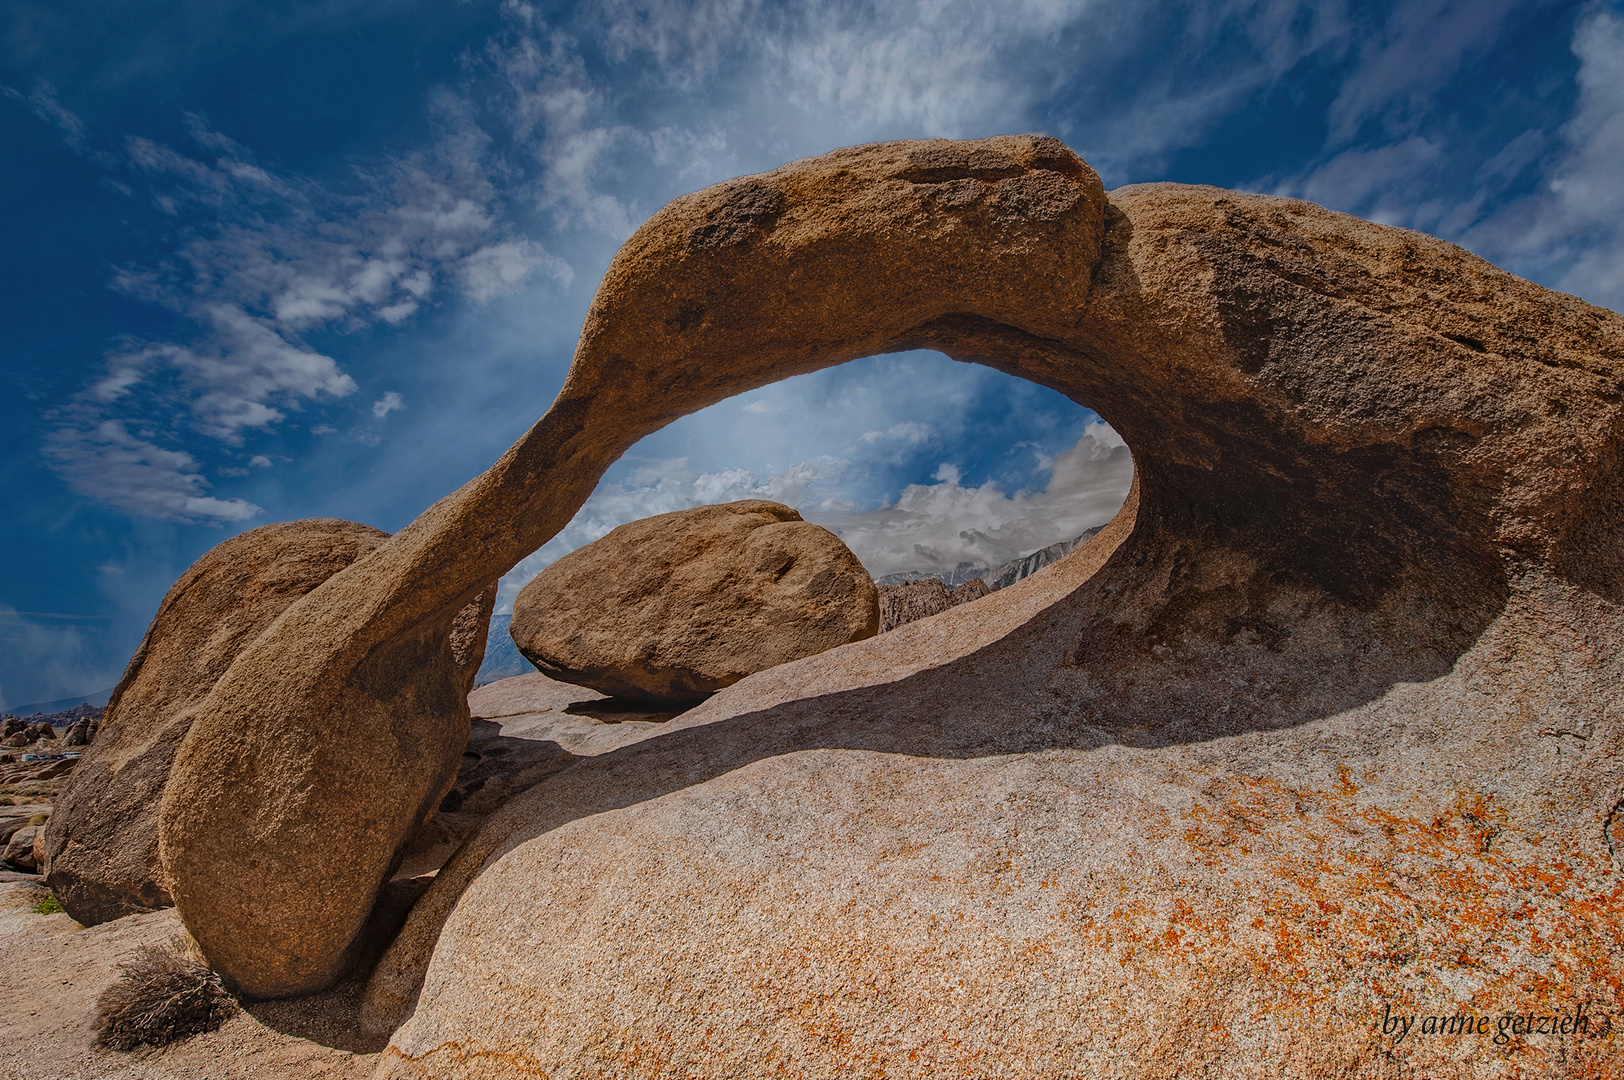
<point x="901" y="604"/>
<point x="19" y="849"/>
<point x="1320" y="723"/>
<point x="674" y="607"/>
<point x="102" y="857"/>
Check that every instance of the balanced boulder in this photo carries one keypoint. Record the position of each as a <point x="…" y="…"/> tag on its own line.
<point x="673" y="608"/>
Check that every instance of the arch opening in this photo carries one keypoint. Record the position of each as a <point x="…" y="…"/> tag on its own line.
<point x="923" y="466"/>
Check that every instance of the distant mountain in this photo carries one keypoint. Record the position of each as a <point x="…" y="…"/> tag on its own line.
<point x="503" y="659"/>
<point x="951" y="578"/>
<point x="60" y="705"/>
<point x="1027" y="565"/>
<point x="995" y="577"/>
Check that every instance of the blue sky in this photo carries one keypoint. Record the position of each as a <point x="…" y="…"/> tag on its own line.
<point x="272" y="261"/>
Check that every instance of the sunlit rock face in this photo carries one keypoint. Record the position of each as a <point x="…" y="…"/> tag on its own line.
<point x="672" y="608"/>
<point x="103" y="845"/>
<point x="1320" y="726"/>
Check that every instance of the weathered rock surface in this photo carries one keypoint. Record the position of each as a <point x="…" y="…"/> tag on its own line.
<point x="901" y="604"/>
<point x="103" y="851"/>
<point x="19" y="849"/>
<point x="538" y="727"/>
<point x="672" y="608"/>
<point x="1321" y="724"/>
<point x="102" y="859"/>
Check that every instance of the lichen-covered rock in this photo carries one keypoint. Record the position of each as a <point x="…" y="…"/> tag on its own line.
<point x="672" y="608"/>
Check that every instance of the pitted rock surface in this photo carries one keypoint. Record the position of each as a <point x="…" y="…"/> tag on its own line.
<point x="674" y="607"/>
<point x="1321" y="721"/>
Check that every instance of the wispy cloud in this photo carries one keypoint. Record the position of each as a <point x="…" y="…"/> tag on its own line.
<point x="1393" y="184"/>
<point x="43" y="102"/>
<point x="1570" y="231"/>
<point x="1417" y="51"/>
<point x="1565" y="233"/>
<point x="777" y="77"/>
<point x="265" y="260"/>
<point x="109" y="464"/>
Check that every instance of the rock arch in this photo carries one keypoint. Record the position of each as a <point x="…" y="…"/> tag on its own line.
<point x="1355" y="447"/>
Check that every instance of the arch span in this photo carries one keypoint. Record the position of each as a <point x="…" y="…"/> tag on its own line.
<point x="1351" y="443"/>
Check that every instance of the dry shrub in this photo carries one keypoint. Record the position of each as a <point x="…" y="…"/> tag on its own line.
<point x="161" y="997"/>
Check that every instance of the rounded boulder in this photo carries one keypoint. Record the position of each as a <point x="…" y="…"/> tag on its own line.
<point x="673" y="608"/>
<point x="103" y="852"/>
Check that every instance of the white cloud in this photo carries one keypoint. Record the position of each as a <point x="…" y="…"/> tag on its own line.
<point x="939" y="526"/>
<point x="501" y="269"/>
<point x="1569" y="232"/>
<point x="390" y="402"/>
<point x="909" y="431"/>
<point x="929" y="527"/>
<point x="706" y="89"/>
<point x="109" y="464"/>
<point x="553" y="110"/>
<point x="267" y="258"/>
<point x="1390" y="184"/>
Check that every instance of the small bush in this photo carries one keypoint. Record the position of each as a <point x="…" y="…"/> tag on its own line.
<point x="48" y="906"/>
<point x="161" y="997"/>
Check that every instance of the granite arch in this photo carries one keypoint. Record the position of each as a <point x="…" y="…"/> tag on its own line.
<point x="1354" y="445"/>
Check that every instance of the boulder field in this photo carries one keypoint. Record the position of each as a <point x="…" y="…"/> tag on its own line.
<point x="672" y="608"/>
<point x="1315" y="743"/>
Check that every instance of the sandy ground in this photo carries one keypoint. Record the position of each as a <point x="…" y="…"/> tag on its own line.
<point x="55" y="969"/>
